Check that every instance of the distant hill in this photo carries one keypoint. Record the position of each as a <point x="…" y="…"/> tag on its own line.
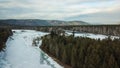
<point x="37" y="22"/>
<point x="56" y="22"/>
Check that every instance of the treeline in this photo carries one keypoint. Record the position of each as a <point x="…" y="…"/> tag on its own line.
<point x="4" y="34"/>
<point x="83" y="52"/>
<point x="96" y="29"/>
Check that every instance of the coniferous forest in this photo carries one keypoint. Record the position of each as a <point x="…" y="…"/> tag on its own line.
<point x="4" y="34"/>
<point x="83" y="52"/>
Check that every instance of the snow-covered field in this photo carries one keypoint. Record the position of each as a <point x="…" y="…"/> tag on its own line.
<point x="93" y="36"/>
<point x="20" y="53"/>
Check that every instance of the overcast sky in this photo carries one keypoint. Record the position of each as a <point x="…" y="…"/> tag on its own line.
<point x="93" y="11"/>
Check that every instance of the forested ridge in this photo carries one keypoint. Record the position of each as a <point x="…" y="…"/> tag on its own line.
<point x="113" y="30"/>
<point x="39" y="22"/>
<point x="83" y="52"/>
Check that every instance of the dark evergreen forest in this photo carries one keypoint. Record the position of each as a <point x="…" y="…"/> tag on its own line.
<point x="4" y="34"/>
<point x="83" y="52"/>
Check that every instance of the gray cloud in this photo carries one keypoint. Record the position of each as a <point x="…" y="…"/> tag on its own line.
<point x="87" y="10"/>
<point x="99" y="17"/>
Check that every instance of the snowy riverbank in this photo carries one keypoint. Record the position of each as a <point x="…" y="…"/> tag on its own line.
<point x="20" y="53"/>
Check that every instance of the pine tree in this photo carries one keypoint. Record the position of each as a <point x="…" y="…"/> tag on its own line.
<point x="64" y="57"/>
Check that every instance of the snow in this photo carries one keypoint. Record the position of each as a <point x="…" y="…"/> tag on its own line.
<point x="91" y="35"/>
<point x="20" y="53"/>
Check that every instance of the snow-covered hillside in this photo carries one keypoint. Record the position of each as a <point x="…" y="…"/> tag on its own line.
<point x="20" y="53"/>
